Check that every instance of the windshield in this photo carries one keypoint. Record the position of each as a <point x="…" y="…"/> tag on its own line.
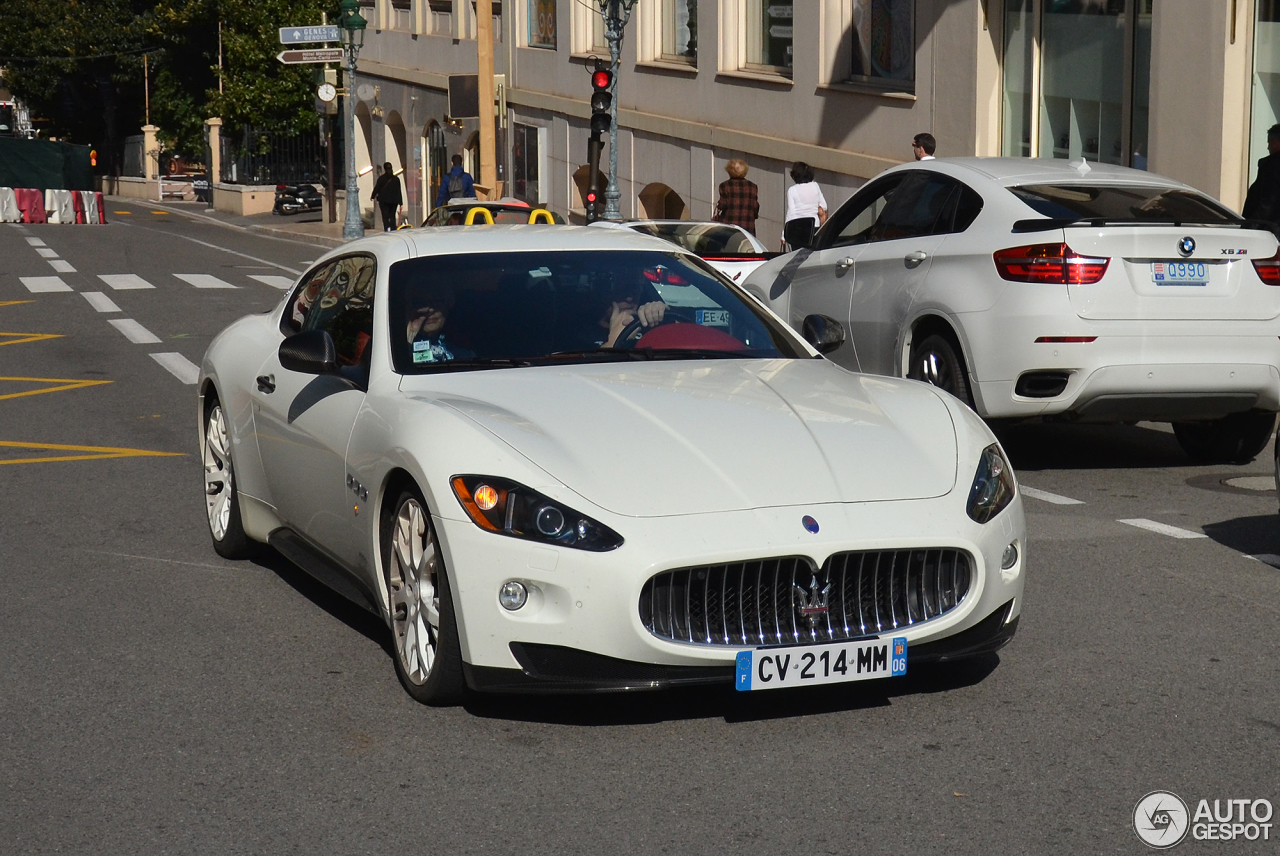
<point x="535" y="308"/>
<point x="705" y="239"/>
<point x="1139" y="203"/>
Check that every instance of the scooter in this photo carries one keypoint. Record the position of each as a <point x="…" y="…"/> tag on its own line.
<point x="296" y="198"/>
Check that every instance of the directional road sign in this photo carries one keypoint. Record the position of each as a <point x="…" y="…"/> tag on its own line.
<point x="310" y="55"/>
<point x="304" y="35"/>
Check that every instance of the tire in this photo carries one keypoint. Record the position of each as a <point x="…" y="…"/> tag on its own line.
<point x="427" y="655"/>
<point x="936" y="360"/>
<point x="222" y="499"/>
<point x="1234" y="439"/>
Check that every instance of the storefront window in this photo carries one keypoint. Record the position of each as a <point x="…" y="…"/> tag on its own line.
<point x="769" y="45"/>
<point x="1266" y="79"/>
<point x="680" y="30"/>
<point x="526" y="152"/>
<point x="884" y="41"/>
<point x="542" y="24"/>
<point x="1019" y="57"/>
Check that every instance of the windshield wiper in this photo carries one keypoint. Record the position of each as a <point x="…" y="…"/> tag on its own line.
<point x="471" y="364"/>
<point x="601" y="355"/>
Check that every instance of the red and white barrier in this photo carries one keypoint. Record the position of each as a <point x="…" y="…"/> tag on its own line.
<point x="9" y="211"/>
<point x="25" y="205"/>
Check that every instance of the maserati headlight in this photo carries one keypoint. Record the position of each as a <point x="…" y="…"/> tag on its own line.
<point x="993" y="487"/>
<point x="509" y="508"/>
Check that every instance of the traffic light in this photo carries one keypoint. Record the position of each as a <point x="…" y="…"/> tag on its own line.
<point x="601" y="122"/>
<point x="593" y="205"/>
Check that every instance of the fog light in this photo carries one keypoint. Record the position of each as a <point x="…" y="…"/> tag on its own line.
<point x="1010" y="557"/>
<point x="513" y="595"/>
<point x="486" y="497"/>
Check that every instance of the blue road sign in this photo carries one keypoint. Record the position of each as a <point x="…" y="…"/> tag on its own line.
<point x="305" y="35"/>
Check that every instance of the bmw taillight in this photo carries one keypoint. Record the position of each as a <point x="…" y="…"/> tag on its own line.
<point x="1268" y="269"/>
<point x="1053" y="264"/>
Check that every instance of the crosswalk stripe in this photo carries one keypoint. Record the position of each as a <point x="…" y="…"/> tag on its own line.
<point x="123" y="281"/>
<point x="1162" y="528"/>
<point x="135" y="332"/>
<point x="35" y="242"/>
<point x="46" y="253"/>
<point x="280" y="282"/>
<point x="100" y="301"/>
<point x="178" y="366"/>
<point x="61" y="265"/>
<point x="42" y="284"/>
<point x="1045" y="496"/>
<point x="203" y="280"/>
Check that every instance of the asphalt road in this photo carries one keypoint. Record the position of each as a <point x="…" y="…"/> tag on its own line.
<point x="157" y="699"/>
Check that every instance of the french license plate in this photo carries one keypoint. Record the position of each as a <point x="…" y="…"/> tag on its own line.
<point x="1179" y="273"/>
<point x="713" y="317"/>
<point x="808" y="665"/>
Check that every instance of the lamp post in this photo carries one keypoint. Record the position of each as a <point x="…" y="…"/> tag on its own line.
<point x="616" y="14"/>
<point x="352" y="25"/>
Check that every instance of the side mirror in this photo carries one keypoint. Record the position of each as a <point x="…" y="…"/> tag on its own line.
<point x="822" y="331"/>
<point x="311" y="352"/>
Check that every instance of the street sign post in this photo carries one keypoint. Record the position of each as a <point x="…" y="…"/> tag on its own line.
<point x="305" y="35"/>
<point x="310" y="55"/>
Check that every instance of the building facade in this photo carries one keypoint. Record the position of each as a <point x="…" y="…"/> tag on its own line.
<point x="1186" y="88"/>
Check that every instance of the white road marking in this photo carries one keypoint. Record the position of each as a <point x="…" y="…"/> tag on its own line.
<point x="135" y="332"/>
<point x="1045" y="496"/>
<point x="179" y="366"/>
<point x="216" y="247"/>
<point x="41" y="284"/>
<point x="35" y="242"/>
<point x="100" y="301"/>
<point x="61" y="265"/>
<point x="123" y="281"/>
<point x="280" y="282"/>
<point x="46" y="253"/>
<point x="1162" y="528"/>
<point x="203" y="280"/>
<point x="1268" y="558"/>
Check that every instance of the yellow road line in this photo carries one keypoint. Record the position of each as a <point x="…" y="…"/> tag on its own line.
<point x="14" y="302"/>
<point x="67" y="383"/>
<point x="93" y="453"/>
<point x="29" y="337"/>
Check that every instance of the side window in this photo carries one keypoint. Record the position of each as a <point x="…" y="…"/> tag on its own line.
<point x="968" y="207"/>
<point x="852" y="224"/>
<point x="344" y="308"/>
<point x="915" y="208"/>
<point x="308" y="290"/>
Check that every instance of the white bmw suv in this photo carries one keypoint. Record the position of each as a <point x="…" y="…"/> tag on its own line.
<point x="1054" y="289"/>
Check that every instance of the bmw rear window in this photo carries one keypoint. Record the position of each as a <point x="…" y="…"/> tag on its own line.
<point x="1136" y="202"/>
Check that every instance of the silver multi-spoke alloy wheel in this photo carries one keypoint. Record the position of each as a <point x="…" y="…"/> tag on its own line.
<point x="414" y="589"/>
<point x="218" y="488"/>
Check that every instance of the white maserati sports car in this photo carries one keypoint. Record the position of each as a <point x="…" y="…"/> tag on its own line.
<point x="573" y="459"/>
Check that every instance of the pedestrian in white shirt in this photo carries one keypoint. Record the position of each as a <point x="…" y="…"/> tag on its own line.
<point x="806" y="207"/>
<point x="923" y="146"/>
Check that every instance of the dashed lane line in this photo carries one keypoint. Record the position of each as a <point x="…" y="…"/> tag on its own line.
<point x="1045" y="496"/>
<point x="46" y="253"/>
<point x="61" y="265"/>
<point x="134" y="332"/>
<point x="43" y="284"/>
<point x="124" y="281"/>
<point x="280" y="282"/>
<point x="35" y="242"/>
<point x="179" y="366"/>
<point x="1162" y="528"/>
<point x="100" y="301"/>
<point x="203" y="280"/>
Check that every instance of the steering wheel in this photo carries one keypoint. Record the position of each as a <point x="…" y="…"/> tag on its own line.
<point x="672" y="316"/>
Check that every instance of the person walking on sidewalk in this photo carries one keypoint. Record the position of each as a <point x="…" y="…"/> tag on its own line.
<point x="806" y="208"/>
<point x="1263" y="199"/>
<point x="457" y="184"/>
<point x="739" y="203"/>
<point x="923" y="146"/>
<point x="386" y="192"/>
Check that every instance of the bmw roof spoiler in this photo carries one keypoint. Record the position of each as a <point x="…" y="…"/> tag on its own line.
<point x="1045" y="224"/>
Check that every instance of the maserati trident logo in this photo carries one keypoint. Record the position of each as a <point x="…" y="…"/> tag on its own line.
<point x="1187" y="246"/>
<point x="812" y="604"/>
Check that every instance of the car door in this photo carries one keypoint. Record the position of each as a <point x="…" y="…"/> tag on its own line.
<point x="303" y="422"/>
<point x="823" y="284"/>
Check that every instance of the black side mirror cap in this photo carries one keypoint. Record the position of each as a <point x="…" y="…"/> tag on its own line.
<point x="823" y="332"/>
<point x="311" y="352"/>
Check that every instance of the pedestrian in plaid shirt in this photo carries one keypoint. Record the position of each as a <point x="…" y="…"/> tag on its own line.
<point x="739" y="203"/>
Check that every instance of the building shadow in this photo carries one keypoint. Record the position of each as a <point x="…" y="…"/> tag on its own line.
<point x="1060" y="446"/>
<point x="1253" y="536"/>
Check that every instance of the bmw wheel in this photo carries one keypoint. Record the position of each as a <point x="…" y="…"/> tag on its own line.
<point x="222" y="502"/>
<point x="423" y="629"/>
<point x="1234" y="439"/>
<point x="936" y="360"/>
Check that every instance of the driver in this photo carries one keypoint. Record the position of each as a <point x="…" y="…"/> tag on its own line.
<point x="627" y="303"/>
<point x="425" y="330"/>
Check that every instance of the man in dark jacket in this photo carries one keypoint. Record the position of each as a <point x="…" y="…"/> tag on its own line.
<point x="457" y="184"/>
<point x="1263" y="201"/>
<point x="386" y="192"/>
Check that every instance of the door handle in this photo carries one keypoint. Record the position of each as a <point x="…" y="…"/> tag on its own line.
<point x="845" y="263"/>
<point x="916" y="257"/>
<point x="266" y="383"/>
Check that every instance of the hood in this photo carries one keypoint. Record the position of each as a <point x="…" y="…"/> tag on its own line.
<point x="666" y="438"/>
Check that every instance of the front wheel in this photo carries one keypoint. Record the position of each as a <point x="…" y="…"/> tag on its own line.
<point x="222" y="500"/>
<point x="1234" y="439"/>
<point x="423" y="628"/>
<point x="936" y="360"/>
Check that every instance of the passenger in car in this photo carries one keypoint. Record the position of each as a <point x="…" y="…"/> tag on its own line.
<point x="425" y="331"/>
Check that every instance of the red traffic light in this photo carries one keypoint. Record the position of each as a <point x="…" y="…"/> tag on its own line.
<point x="591" y="196"/>
<point x="601" y="78"/>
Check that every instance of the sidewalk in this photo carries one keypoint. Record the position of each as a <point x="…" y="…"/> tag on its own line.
<point x="308" y="228"/>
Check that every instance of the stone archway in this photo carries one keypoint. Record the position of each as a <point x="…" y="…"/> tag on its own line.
<point x="393" y="148"/>
<point x="659" y="202"/>
<point x="435" y="161"/>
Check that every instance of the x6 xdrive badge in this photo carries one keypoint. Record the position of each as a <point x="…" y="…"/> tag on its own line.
<point x="1187" y="246"/>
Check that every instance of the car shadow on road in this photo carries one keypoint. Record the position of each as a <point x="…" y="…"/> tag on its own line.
<point x="1059" y="446"/>
<point x="648" y="708"/>
<point x="1253" y="536"/>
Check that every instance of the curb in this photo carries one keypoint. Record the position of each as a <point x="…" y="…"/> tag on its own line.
<point x="301" y="237"/>
<point x="268" y="231"/>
